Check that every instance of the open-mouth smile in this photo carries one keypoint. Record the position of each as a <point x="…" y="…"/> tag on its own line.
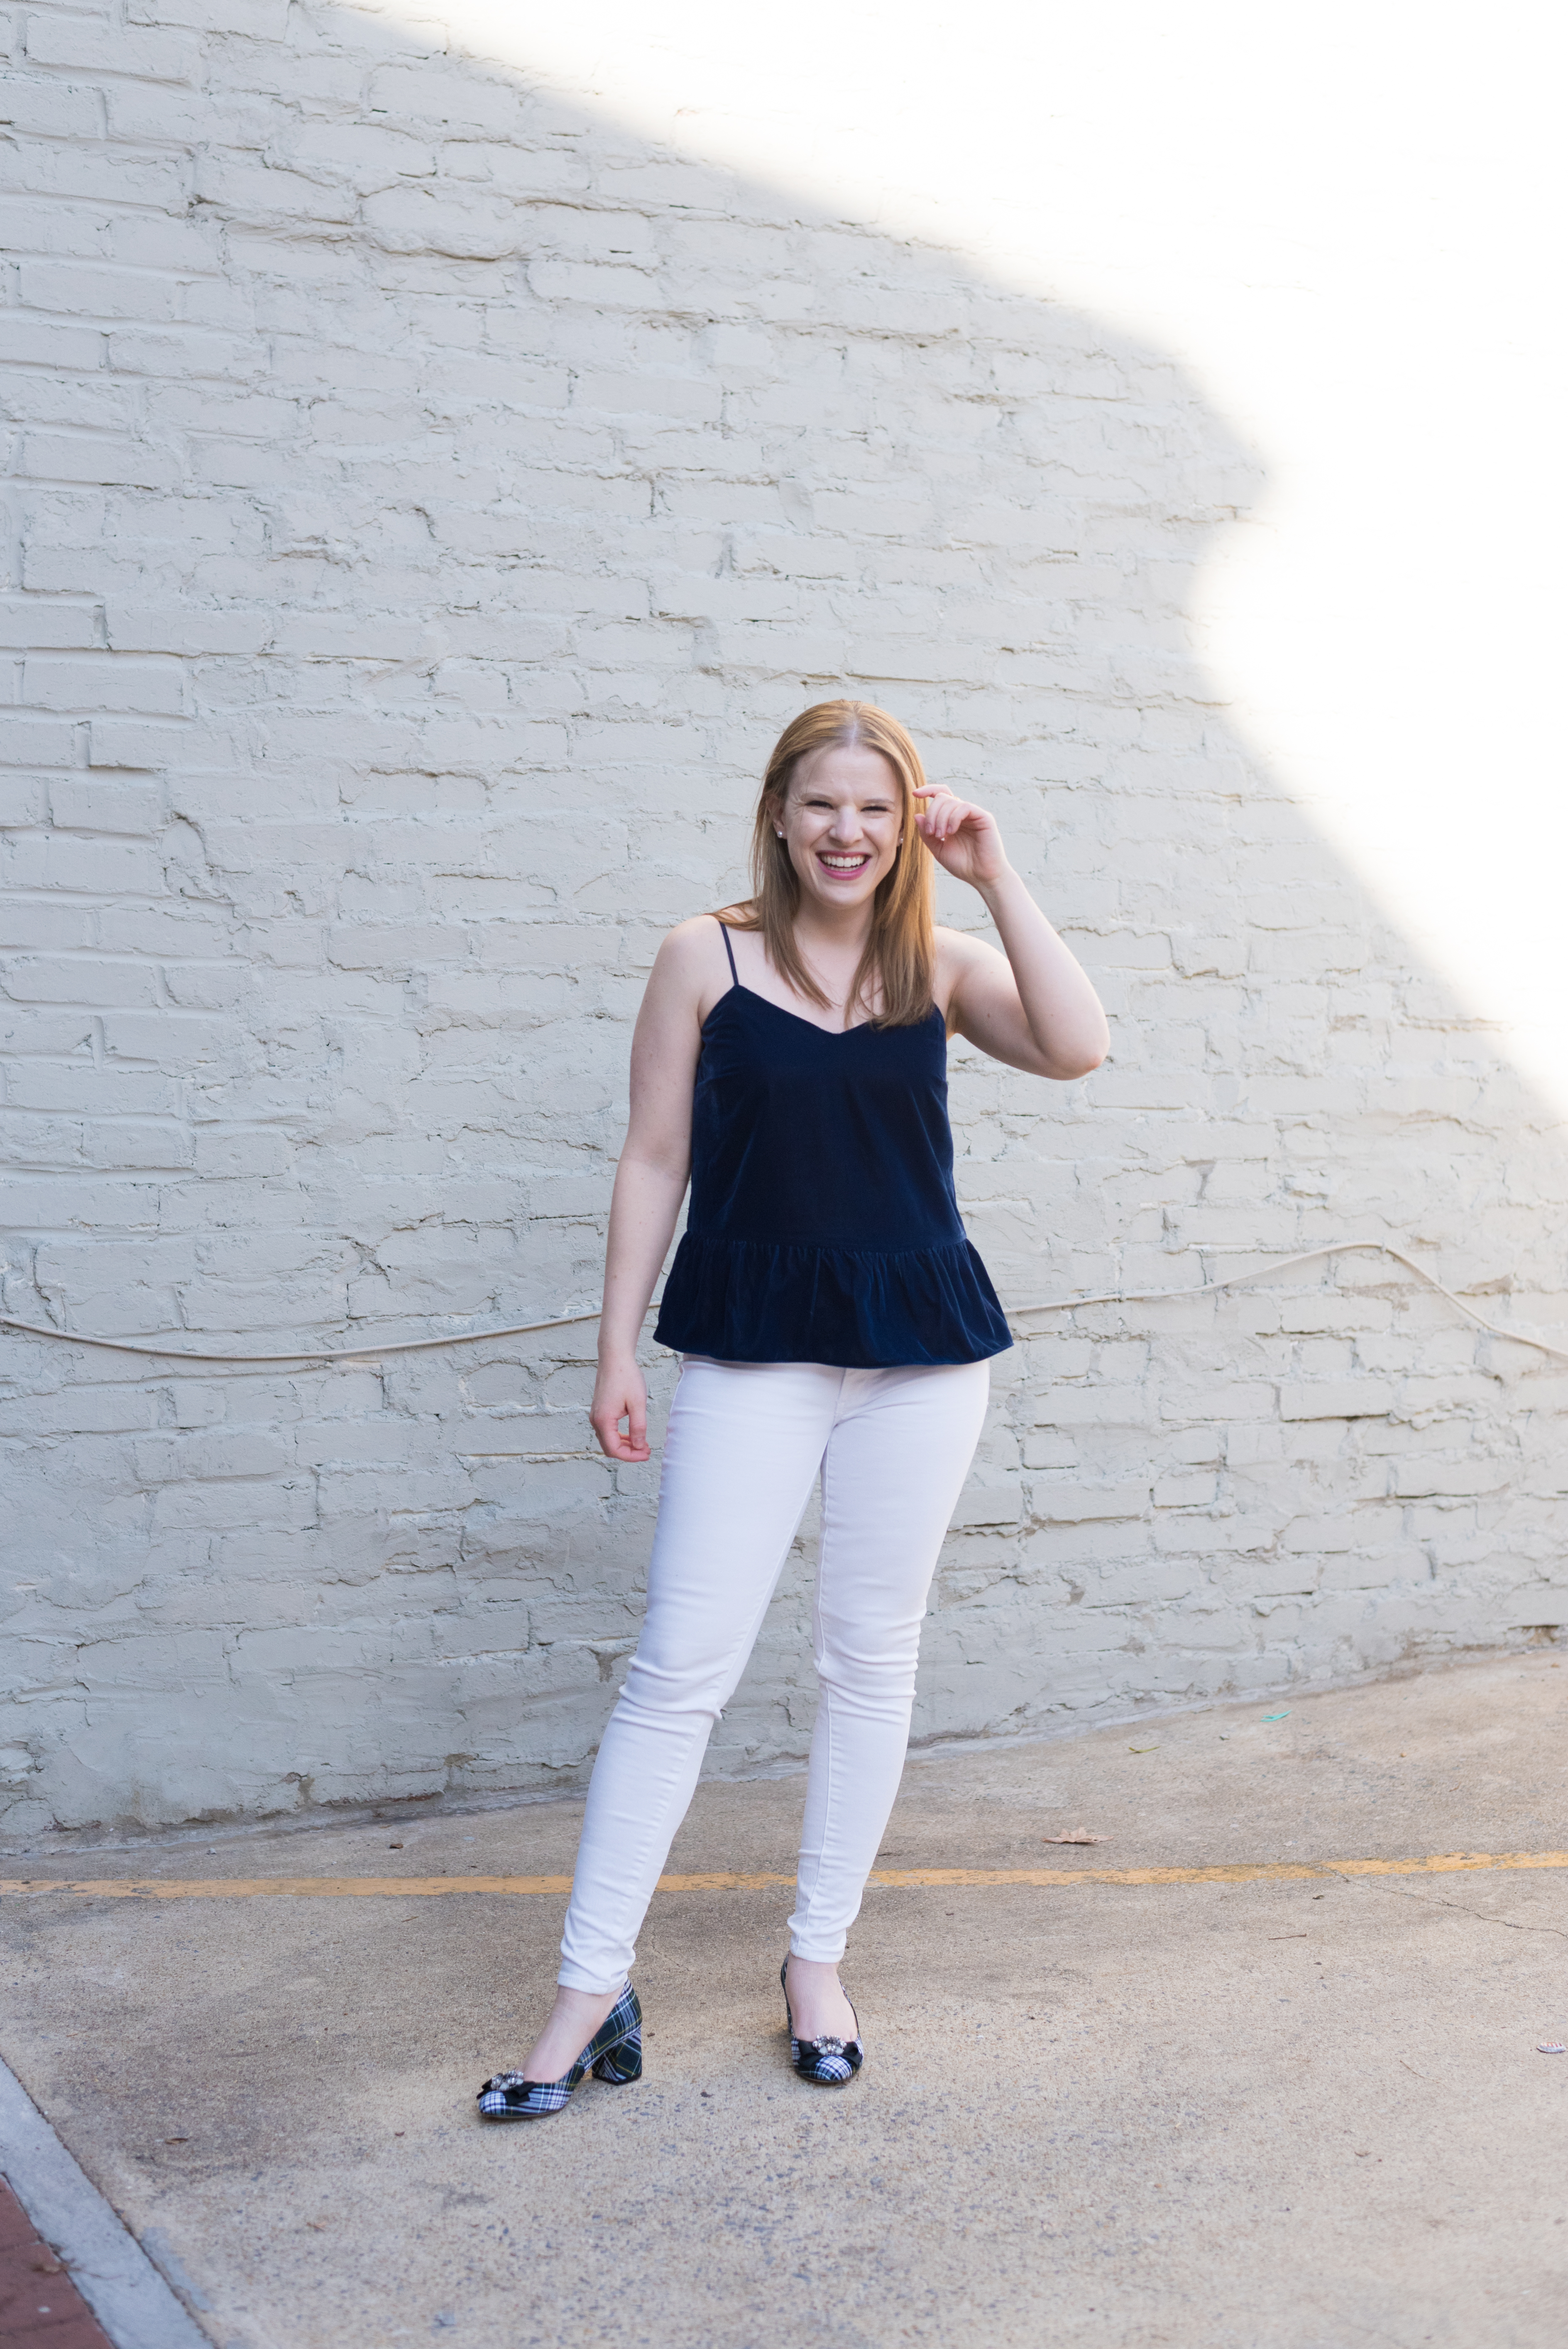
<point x="849" y="864"/>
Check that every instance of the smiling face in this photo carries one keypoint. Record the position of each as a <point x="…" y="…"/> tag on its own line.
<point x="841" y="822"/>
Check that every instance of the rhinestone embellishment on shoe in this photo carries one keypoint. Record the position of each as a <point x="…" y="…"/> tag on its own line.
<point x="828" y="2062"/>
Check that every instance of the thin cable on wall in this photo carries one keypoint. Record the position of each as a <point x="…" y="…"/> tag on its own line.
<point x="311" y="1358"/>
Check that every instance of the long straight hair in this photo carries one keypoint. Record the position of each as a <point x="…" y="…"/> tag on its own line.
<point x="899" y="960"/>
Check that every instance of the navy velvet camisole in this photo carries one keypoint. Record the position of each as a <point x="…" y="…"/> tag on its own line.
<point x="823" y="1226"/>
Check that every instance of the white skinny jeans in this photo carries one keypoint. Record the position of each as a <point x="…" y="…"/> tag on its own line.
<point x="744" y="1441"/>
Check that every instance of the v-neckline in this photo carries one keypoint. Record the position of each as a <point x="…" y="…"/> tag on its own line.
<point x="834" y="1035"/>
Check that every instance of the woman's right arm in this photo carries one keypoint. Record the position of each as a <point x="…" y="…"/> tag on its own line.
<point x="650" y="1181"/>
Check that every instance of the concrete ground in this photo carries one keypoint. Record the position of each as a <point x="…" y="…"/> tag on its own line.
<point x="1292" y="2113"/>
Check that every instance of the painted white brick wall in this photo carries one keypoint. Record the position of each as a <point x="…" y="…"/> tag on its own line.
<point x="424" y="505"/>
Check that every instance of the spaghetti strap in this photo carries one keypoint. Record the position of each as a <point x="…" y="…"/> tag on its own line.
<point x="729" y="950"/>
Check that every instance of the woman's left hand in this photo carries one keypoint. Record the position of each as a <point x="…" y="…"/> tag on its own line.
<point x="962" y="838"/>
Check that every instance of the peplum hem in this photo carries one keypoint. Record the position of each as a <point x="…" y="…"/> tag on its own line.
<point x="856" y="1309"/>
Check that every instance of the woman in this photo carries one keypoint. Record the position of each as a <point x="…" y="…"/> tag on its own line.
<point x="790" y="1057"/>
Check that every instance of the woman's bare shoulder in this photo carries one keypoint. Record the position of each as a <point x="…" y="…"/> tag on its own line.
<point x="691" y="965"/>
<point x="685" y="934"/>
<point x="963" y="963"/>
<point x="956" y="953"/>
<point x="702" y="925"/>
<point x="684" y="950"/>
<point x="958" y="945"/>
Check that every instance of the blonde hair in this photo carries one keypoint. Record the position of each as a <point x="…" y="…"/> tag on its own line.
<point x="900" y="957"/>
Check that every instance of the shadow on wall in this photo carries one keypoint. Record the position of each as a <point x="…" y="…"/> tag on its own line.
<point x="471" y="492"/>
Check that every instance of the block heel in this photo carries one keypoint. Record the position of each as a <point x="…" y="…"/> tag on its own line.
<point x="624" y="2063"/>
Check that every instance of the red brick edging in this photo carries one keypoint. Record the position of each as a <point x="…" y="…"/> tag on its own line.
<point x="40" y="2307"/>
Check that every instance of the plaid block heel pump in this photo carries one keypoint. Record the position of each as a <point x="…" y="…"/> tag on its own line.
<point x="826" y="2063"/>
<point x="614" y="2054"/>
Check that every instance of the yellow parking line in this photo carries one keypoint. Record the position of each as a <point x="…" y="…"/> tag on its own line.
<point x="405" y="1887"/>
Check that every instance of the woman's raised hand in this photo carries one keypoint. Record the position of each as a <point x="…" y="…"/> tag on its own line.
<point x="962" y="838"/>
<point x="620" y="1393"/>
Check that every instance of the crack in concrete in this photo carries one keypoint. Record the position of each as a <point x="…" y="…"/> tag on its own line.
<point x="1437" y="1900"/>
